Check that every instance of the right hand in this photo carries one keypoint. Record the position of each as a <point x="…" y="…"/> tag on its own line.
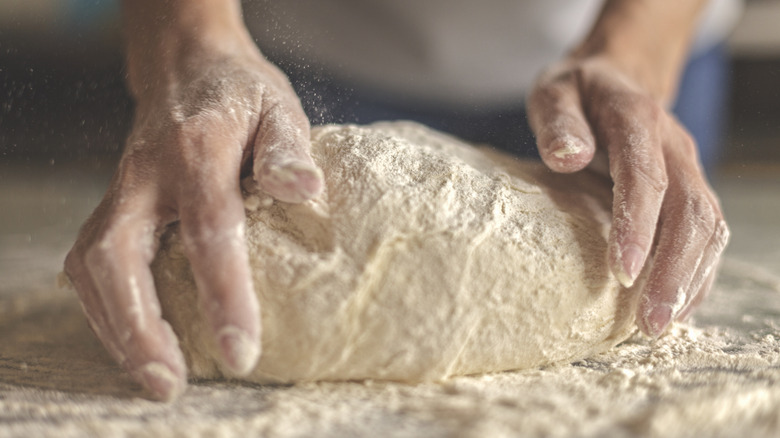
<point x="666" y="219"/>
<point x="196" y="130"/>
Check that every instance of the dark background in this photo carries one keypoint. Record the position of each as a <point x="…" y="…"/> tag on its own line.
<point x="62" y="95"/>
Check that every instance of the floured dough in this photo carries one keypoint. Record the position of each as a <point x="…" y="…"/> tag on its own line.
<point x="424" y="258"/>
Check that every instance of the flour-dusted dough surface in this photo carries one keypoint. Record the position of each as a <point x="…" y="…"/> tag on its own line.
<point x="424" y="258"/>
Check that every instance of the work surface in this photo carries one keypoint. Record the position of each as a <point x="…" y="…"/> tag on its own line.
<point x="717" y="377"/>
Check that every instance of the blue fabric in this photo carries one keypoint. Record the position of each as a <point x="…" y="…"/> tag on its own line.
<point x="88" y="15"/>
<point x="700" y="106"/>
<point x="702" y="103"/>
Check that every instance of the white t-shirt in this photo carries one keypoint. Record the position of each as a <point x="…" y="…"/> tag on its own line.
<point x="460" y="52"/>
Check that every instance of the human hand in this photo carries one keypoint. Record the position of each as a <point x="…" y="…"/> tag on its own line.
<point x="198" y="129"/>
<point x="666" y="219"/>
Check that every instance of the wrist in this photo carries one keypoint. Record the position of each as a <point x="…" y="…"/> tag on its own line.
<point x="167" y="39"/>
<point x="647" y="40"/>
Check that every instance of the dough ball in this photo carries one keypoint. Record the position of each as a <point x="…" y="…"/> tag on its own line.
<point x="424" y="258"/>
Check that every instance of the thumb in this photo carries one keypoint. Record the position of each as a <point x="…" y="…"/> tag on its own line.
<point x="283" y="166"/>
<point x="563" y="135"/>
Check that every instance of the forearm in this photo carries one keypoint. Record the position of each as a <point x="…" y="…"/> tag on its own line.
<point x="162" y="37"/>
<point x="647" y="39"/>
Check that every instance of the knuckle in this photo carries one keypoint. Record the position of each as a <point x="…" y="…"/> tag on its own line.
<point x="550" y="93"/>
<point x="639" y="163"/>
<point x="628" y="112"/>
<point x="701" y="214"/>
<point x="208" y="191"/>
<point x="721" y="236"/>
<point x="73" y="266"/>
<point x="645" y="173"/>
<point x="116" y="229"/>
<point x="208" y="227"/>
<point x="188" y="131"/>
<point x="237" y="88"/>
<point x="656" y="177"/>
<point x="204" y="153"/>
<point x="137" y="167"/>
<point x="562" y="73"/>
<point x="102" y="252"/>
<point x="119" y="242"/>
<point x="701" y="207"/>
<point x="552" y="84"/>
<point x="210" y="107"/>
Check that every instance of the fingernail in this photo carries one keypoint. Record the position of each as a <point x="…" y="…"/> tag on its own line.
<point x="293" y="181"/>
<point x="160" y="381"/>
<point x="565" y="146"/>
<point x="657" y="319"/>
<point x="309" y="181"/>
<point x="239" y="350"/>
<point x="632" y="259"/>
<point x="685" y="314"/>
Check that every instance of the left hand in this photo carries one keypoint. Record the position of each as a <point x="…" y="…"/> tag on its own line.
<point x="666" y="218"/>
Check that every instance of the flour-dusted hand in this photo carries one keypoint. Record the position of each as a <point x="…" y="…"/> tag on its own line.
<point x="605" y="101"/>
<point x="209" y="109"/>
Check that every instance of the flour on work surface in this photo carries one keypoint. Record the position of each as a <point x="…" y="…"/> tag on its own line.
<point x="424" y="258"/>
<point x="718" y="379"/>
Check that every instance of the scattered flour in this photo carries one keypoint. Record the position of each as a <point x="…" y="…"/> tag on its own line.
<point x="718" y="379"/>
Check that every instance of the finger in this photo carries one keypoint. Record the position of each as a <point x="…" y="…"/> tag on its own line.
<point x="563" y="135"/>
<point x="637" y="167"/>
<point x="705" y="273"/>
<point x="697" y="300"/>
<point x="79" y="277"/>
<point x="212" y="226"/>
<point x="684" y="258"/>
<point x="118" y="264"/>
<point x="89" y="299"/>
<point x="283" y="166"/>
